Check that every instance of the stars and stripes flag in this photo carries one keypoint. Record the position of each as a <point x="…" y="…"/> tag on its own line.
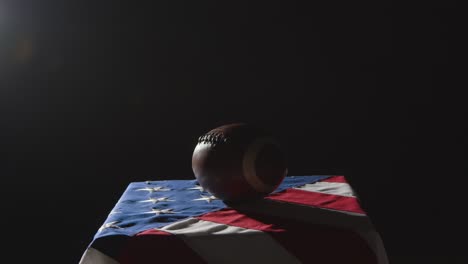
<point x="307" y="219"/>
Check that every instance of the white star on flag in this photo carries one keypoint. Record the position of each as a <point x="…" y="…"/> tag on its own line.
<point x="156" y="200"/>
<point x="109" y="225"/>
<point x="154" y="189"/>
<point x="208" y="199"/>
<point x="162" y="211"/>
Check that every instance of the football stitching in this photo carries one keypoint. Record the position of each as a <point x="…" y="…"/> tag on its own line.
<point x="213" y="138"/>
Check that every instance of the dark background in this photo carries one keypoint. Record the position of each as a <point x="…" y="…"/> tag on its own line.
<point x="97" y="94"/>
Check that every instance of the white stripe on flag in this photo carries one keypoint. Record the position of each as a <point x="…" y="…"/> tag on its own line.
<point x="94" y="256"/>
<point x="216" y="244"/>
<point x="336" y="188"/>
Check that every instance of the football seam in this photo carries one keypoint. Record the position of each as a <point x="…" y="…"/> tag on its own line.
<point x="213" y="138"/>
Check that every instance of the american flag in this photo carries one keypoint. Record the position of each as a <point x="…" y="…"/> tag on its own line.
<point x="307" y="219"/>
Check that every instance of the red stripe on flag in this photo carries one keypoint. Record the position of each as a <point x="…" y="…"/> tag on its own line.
<point x="336" y="179"/>
<point x="154" y="232"/>
<point x="307" y="242"/>
<point x="322" y="200"/>
<point x="155" y="246"/>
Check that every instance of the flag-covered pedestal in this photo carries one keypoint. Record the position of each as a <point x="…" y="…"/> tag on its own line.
<point x="308" y="219"/>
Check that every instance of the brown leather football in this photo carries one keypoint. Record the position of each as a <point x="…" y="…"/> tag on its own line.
<point x="237" y="162"/>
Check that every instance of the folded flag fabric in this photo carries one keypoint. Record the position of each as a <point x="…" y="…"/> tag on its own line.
<point x="307" y="219"/>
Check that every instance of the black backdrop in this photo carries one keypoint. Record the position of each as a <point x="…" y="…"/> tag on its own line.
<point x="98" y="94"/>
